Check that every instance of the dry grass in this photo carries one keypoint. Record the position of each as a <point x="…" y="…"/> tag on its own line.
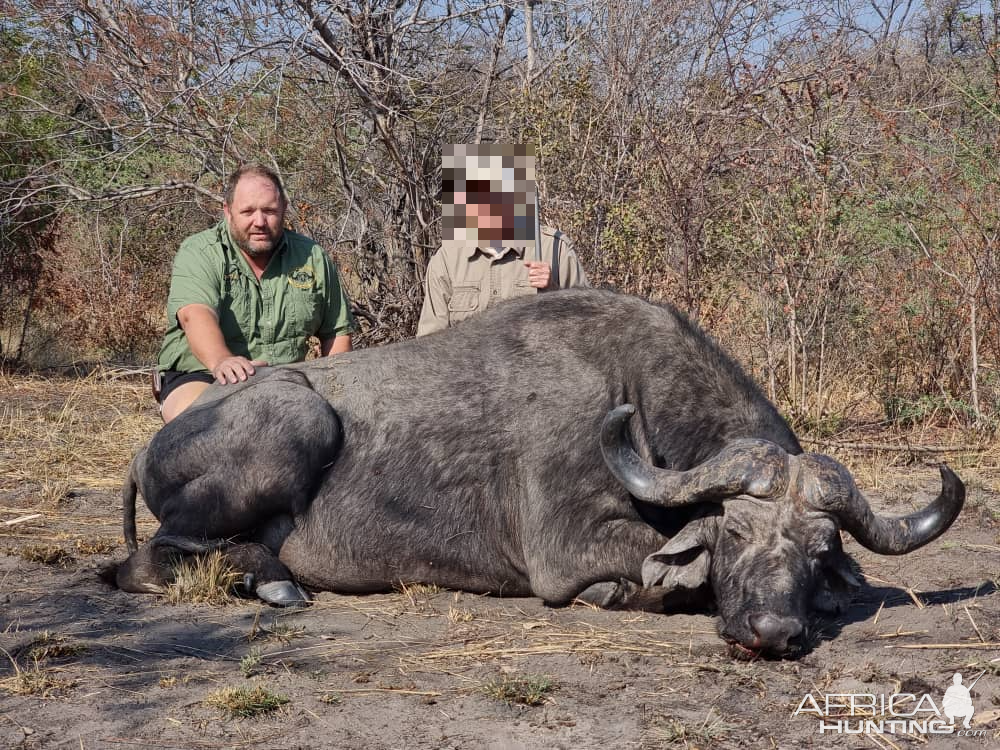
<point x="671" y="732"/>
<point x="246" y="702"/>
<point x="493" y="635"/>
<point x="250" y="663"/>
<point x="460" y="616"/>
<point x="52" y="491"/>
<point x="50" y="646"/>
<point x="61" y="439"/>
<point x="47" y="554"/>
<point x="419" y="595"/>
<point x="96" y="546"/>
<point x="36" y="680"/>
<point x="203" y="579"/>
<point x="524" y="690"/>
<point x="534" y="639"/>
<point x="878" y="454"/>
<point x="279" y="631"/>
<point x="50" y="444"/>
<point x="57" y="554"/>
<point x="168" y="682"/>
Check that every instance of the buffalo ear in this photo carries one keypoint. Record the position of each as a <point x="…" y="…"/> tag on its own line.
<point x="684" y="562"/>
<point x="835" y="585"/>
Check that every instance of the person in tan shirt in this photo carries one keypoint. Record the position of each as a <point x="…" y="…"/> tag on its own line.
<point x="489" y="251"/>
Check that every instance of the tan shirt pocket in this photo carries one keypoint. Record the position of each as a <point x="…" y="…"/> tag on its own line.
<point x="522" y="288"/>
<point x="464" y="302"/>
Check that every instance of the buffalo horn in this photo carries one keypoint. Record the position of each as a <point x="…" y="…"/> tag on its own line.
<point x="899" y="535"/>
<point x="753" y="467"/>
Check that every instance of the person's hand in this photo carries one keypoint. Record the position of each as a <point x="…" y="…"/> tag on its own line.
<point x="538" y="273"/>
<point x="235" y="369"/>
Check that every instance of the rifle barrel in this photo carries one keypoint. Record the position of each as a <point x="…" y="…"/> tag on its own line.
<point x="976" y="680"/>
<point x="538" y="228"/>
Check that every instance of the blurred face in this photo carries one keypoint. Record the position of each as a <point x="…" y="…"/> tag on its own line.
<point x="256" y="216"/>
<point x="493" y="213"/>
<point x="488" y="215"/>
<point x="487" y="194"/>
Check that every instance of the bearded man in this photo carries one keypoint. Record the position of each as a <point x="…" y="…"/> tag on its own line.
<point x="247" y="293"/>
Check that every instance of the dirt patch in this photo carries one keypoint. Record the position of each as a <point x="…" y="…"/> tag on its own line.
<point x="86" y="666"/>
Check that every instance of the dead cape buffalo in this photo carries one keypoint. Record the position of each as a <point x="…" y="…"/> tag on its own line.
<point x="580" y="444"/>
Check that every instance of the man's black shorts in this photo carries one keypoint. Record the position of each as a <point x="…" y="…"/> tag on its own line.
<point x="172" y="378"/>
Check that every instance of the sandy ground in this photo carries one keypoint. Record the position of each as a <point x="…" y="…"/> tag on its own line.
<point x="86" y="666"/>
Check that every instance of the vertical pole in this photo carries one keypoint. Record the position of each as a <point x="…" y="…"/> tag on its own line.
<point x="538" y="227"/>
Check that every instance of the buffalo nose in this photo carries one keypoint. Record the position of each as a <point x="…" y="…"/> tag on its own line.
<point x="774" y="632"/>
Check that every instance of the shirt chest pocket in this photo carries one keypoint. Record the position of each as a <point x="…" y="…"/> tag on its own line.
<point x="305" y="310"/>
<point x="238" y="309"/>
<point x="522" y="288"/>
<point x="464" y="302"/>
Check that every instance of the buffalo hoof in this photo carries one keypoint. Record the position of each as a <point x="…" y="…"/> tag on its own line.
<point x="283" y="594"/>
<point x="606" y="594"/>
<point x="245" y="587"/>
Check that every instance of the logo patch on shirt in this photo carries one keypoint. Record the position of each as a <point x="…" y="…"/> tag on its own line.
<point x="302" y="277"/>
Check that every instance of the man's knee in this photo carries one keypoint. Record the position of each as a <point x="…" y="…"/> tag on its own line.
<point x="180" y="399"/>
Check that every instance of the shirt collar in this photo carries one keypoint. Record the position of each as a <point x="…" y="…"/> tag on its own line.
<point x="517" y="250"/>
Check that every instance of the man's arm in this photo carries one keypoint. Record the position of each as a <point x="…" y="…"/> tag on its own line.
<point x="335" y="332"/>
<point x="335" y="345"/>
<point x="201" y="328"/>
<point x="437" y="293"/>
<point x="570" y="271"/>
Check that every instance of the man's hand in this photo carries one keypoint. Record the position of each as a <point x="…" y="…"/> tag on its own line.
<point x="235" y="369"/>
<point x="538" y="273"/>
<point x="201" y="326"/>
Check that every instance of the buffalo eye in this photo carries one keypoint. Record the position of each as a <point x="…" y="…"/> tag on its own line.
<point x="822" y="541"/>
<point x="820" y="548"/>
<point x="738" y="529"/>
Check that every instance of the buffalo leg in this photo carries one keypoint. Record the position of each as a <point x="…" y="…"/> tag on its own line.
<point x="148" y="570"/>
<point x="224" y="466"/>
<point x="592" y="553"/>
<point x="268" y="577"/>
<point x="152" y="568"/>
<point x="624" y="594"/>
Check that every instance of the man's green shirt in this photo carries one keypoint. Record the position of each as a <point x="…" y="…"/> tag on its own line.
<point x="299" y="295"/>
